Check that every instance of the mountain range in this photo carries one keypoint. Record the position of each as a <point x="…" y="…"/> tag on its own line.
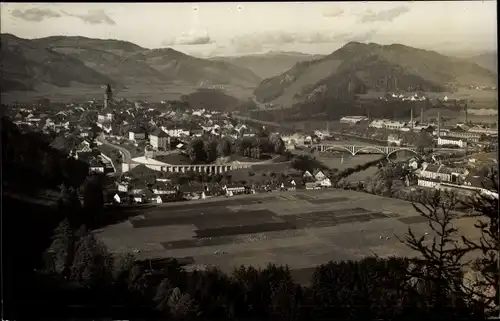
<point x="289" y="77"/>
<point x="68" y="61"/>
<point x="269" y="64"/>
<point x="358" y="68"/>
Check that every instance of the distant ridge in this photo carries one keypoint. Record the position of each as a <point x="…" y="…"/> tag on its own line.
<point x="268" y="64"/>
<point x="64" y="61"/>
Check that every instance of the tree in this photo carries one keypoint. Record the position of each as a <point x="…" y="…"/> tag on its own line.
<point x="285" y="296"/>
<point x="484" y="207"/>
<point x="92" y="264"/>
<point x="224" y="147"/>
<point x="93" y="200"/>
<point x="122" y="264"/>
<point x="424" y="141"/>
<point x="352" y="290"/>
<point x="211" y="150"/>
<point x="162" y="296"/>
<point x="62" y="248"/>
<point x="196" y="150"/>
<point x="181" y="305"/>
<point x="278" y="144"/>
<point x="70" y="206"/>
<point x="441" y="262"/>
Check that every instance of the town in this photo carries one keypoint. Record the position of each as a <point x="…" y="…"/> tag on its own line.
<point x="163" y="152"/>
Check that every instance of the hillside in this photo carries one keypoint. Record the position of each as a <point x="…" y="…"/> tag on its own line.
<point x="24" y="64"/>
<point x="269" y="64"/>
<point x="357" y="68"/>
<point x="214" y="100"/>
<point x="487" y="60"/>
<point x="61" y="61"/>
<point x="177" y="66"/>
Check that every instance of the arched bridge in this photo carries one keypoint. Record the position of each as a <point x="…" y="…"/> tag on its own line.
<point x="355" y="149"/>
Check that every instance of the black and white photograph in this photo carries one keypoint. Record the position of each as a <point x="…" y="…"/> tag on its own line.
<point x="292" y="161"/>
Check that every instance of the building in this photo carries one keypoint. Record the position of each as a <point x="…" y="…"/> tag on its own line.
<point x="136" y="135"/>
<point x="394" y="140"/>
<point x="378" y="123"/>
<point x="387" y="124"/>
<point x="159" y="140"/>
<point x="319" y="175"/>
<point x="467" y="135"/>
<point x="485" y="131"/>
<point x="430" y="175"/>
<point x="447" y="140"/>
<point x="108" y="96"/>
<point x="353" y="119"/>
<point x="394" y="125"/>
<point x="104" y="117"/>
<point x="177" y="132"/>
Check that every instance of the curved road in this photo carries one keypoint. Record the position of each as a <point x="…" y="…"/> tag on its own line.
<point x="126" y="156"/>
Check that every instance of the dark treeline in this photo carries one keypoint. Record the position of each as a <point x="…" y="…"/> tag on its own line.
<point x="207" y="149"/>
<point x="333" y="109"/>
<point x="73" y="274"/>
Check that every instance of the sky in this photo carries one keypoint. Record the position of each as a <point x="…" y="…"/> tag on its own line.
<point x="239" y="28"/>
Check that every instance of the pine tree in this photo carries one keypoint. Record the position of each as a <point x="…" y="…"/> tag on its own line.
<point x="484" y="207"/>
<point x="441" y="263"/>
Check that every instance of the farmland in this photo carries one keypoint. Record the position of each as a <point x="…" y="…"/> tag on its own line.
<point x="301" y="229"/>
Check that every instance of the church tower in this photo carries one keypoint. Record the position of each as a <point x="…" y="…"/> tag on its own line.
<point x="108" y="96"/>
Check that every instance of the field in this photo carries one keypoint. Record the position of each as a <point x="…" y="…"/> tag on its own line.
<point x="301" y="229"/>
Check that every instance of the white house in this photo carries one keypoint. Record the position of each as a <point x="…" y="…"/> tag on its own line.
<point x="319" y="175"/>
<point x="159" y="140"/>
<point x="107" y="117"/>
<point x="325" y="182"/>
<point x="307" y="174"/>
<point x="431" y="175"/>
<point x="446" y="140"/>
<point x="136" y="135"/>
<point x="177" y="132"/>
<point x="353" y="119"/>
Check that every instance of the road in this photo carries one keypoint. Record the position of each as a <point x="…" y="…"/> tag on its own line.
<point x="126" y="156"/>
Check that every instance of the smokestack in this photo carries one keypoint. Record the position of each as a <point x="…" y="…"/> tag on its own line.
<point x="466" y="114"/>
<point x="411" y="118"/>
<point x="439" y="124"/>
<point x="422" y="115"/>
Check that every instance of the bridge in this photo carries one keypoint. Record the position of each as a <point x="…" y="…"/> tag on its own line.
<point x="355" y="149"/>
<point x="375" y="149"/>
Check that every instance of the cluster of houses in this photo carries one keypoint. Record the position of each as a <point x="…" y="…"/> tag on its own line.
<point x="134" y="188"/>
<point x="438" y="175"/>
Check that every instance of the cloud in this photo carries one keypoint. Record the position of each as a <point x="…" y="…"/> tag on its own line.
<point x="247" y="44"/>
<point x="363" y="37"/>
<point x="264" y="38"/>
<point x="258" y="41"/>
<point x="35" y="14"/>
<point x="333" y="12"/>
<point x="190" y="38"/>
<point x="385" y="15"/>
<point x="93" y="17"/>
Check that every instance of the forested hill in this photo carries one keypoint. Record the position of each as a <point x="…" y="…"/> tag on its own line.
<point x="357" y="68"/>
